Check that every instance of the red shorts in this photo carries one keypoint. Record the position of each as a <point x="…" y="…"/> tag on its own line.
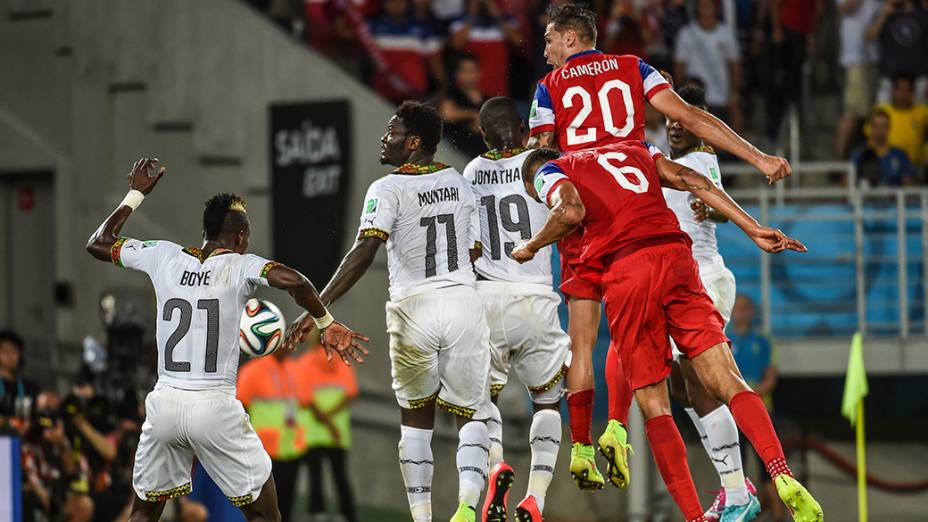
<point x="652" y="294"/>
<point x="578" y="280"/>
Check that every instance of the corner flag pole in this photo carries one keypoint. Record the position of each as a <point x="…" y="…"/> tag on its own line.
<point x="861" y="464"/>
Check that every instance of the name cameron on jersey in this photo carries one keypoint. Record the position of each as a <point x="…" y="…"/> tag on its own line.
<point x="438" y="195"/>
<point x="488" y="177"/>
<point x="590" y="69"/>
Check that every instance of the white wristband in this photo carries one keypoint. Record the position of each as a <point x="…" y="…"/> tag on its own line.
<point x="325" y="321"/>
<point x="133" y="199"/>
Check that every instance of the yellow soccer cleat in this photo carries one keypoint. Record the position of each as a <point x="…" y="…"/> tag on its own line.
<point x="583" y="467"/>
<point x="802" y="506"/>
<point x="614" y="446"/>
<point x="464" y="513"/>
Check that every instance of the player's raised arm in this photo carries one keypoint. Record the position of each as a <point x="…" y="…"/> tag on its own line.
<point x="334" y="335"/>
<point x="142" y="179"/>
<point x="680" y="177"/>
<point x="713" y="130"/>
<point x="544" y="182"/>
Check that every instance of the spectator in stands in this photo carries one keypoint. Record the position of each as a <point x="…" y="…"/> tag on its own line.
<point x="17" y="394"/>
<point x="460" y="107"/>
<point x="47" y="462"/>
<point x="267" y="388"/>
<point x="756" y="358"/>
<point x="901" y="30"/>
<point x="908" y="120"/>
<point x="878" y="162"/>
<point x="627" y="30"/>
<point x="707" y="50"/>
<point x="328" y="30"/>
<point x="410" y="54"/>
<point x="858" y="57"/>
<point x="793" y="26"/>
<point x="488" y="33"/>
<point x="327" y="390"/>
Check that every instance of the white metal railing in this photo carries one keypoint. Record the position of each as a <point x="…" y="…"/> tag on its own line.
<point x="875" y="217"/>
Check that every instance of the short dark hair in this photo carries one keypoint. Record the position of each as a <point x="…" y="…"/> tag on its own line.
<point x="499" y="119"/>
<point x="421" y="120"/>
<point x="540" y="156"/>
<point x="693" y="94"/>
<point x="879" y="112"/>
<point x="574" y="16"/>
<point x="465" y="56"/>
<point x="215" y="211"/>
<point x="9" y="336"/>
<point x="902" y="77"/>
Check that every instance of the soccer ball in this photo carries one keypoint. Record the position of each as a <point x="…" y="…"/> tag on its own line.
<point x="262" y="328"/>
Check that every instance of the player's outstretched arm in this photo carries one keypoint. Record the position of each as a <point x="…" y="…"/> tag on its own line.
<point x="142" y="179"/>
<point x="713" y="130"/>
<point x="680" y="177"/>
<point x="334" y="335"/>
<point x="567" y="212"/>
<point x="353" y="266"/>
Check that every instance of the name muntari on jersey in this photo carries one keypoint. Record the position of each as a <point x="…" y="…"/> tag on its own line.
<point x="494" y="176"/>
<point x="438" y="195"/>
<point x="590" y="69"/>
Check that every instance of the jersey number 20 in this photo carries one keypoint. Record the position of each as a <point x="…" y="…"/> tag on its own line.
<point x="605" y="108"/>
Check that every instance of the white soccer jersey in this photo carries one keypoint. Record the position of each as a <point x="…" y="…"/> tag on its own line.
<point x="705" y="245"/>
<point x="427" y="221"/>
<point x="507" y="217"/>
<point x="200" y="301"/>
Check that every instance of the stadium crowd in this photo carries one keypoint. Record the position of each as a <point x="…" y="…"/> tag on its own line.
<point x="755" y="58"/>
<point x="78" y="449"/>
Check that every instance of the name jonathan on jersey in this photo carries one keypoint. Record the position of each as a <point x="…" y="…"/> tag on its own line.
<point x="590" y="69"/>
<point x="492" y="177"/>
<point x="195" y="278"/>
<point x="439" y="195"/>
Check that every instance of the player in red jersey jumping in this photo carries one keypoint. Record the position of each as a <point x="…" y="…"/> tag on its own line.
<point x="592" y="99"/>
<point x="652" y="292"/>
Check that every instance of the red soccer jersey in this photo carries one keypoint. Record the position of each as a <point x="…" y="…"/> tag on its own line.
<point x="621" y="190"/>
<point x="595" y="99"/>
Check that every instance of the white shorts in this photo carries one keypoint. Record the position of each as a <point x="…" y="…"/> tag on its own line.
<point x="210" y="425"/>
<point x="525" y="336"/>
<point x="720" y="285"/>
<point x="439" y="349"/>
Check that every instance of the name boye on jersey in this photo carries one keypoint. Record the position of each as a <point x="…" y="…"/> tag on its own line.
<point x="595" y="99"/>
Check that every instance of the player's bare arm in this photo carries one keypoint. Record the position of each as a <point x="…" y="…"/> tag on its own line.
<point x="143" y="177"/>
<point x="713" y="130"/>
<point x="353" y="266"/>
<point x="702" y="212"/>
<point x="679" y="177"/>
<point x="542" y="140"/>
<point x="334" y="336"/>
<point x="567" y="212"/>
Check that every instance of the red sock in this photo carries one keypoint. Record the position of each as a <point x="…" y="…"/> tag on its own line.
<point x="752" y="418"/>
<point x="670" y="455"/>
<point x="580" y="406"/>
<point x="620" y="394"/>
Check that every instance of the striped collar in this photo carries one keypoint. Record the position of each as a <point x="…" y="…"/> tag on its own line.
<point x="498" y="154"/>
<point x="198" y="253"/>
<point x="695" y="148"/>
<point x="409" y="168"/>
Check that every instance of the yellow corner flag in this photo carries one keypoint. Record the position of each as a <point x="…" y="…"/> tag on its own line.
<point x="852" y="407"/>
<point x="855" y="382"/>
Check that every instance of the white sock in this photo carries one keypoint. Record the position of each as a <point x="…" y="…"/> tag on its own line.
<point x="545" y="440"/>
<point x="722" y="434"/>
<point x="473" y="451"/>
<point x="699" y="428"/>
<point x="416" y="465"/>
<point x="495" y="429"/>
